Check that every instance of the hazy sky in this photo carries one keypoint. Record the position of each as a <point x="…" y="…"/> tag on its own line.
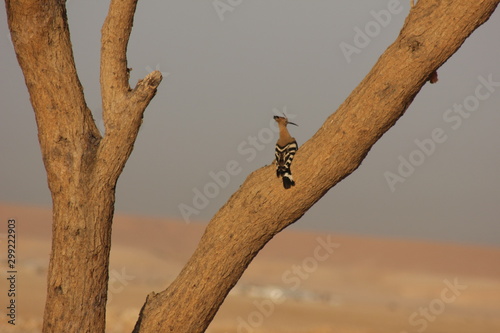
<point x="230" y="65"/>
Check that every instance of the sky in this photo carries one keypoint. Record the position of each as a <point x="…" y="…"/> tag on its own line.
<point x="230" y="65"/>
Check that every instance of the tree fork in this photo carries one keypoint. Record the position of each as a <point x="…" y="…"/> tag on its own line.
<point x="433" y="31"/>
<point x="82" y="166"/>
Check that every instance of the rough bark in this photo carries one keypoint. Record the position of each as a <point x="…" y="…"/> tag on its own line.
<point x="433" y="31"/>
<point x="82" y="166"/>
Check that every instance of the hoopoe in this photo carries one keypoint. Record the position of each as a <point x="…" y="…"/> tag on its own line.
<point x="285" y="151"/>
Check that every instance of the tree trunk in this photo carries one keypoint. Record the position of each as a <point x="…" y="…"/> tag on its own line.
<point x="261" y="208"/>
<point x="82" y="166"/>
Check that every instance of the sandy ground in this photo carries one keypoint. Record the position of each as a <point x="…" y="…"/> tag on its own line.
<point x="301" y="282"/>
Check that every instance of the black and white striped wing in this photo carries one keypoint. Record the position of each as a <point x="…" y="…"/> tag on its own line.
<point x="284" y="157"/>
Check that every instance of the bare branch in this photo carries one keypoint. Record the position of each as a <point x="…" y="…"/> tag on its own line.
<point x="41" y="40"/>
<point x="123" y="108"/>
<point x="261" y="208"/>
<point x="115" y="34"/>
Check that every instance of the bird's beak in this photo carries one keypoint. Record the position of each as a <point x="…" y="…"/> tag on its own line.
<point x="289" y="122"/>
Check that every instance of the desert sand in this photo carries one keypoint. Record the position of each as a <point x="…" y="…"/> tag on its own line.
<point x="300" y="282"/>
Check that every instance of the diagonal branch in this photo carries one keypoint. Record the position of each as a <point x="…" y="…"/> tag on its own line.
<point x="434" y="30"/>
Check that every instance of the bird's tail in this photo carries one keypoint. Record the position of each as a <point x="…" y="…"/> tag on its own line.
<point x="286" y="174"/>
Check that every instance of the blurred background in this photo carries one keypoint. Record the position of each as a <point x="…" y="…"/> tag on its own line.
<point x="228" y="67"/>
<point x="417" y="212"/>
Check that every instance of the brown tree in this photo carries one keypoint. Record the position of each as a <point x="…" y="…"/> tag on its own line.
<point x="83" y="166"/>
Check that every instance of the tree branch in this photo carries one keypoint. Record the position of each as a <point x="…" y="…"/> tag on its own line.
<point x="82" y="167"/>
<point x="40" y="36"/>
<point x="122" y="108"/>
<point x="115" y="34"/>
<point x="261" y="208"/>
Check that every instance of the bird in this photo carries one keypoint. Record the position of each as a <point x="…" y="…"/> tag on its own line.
<point x="286" y="147"/>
